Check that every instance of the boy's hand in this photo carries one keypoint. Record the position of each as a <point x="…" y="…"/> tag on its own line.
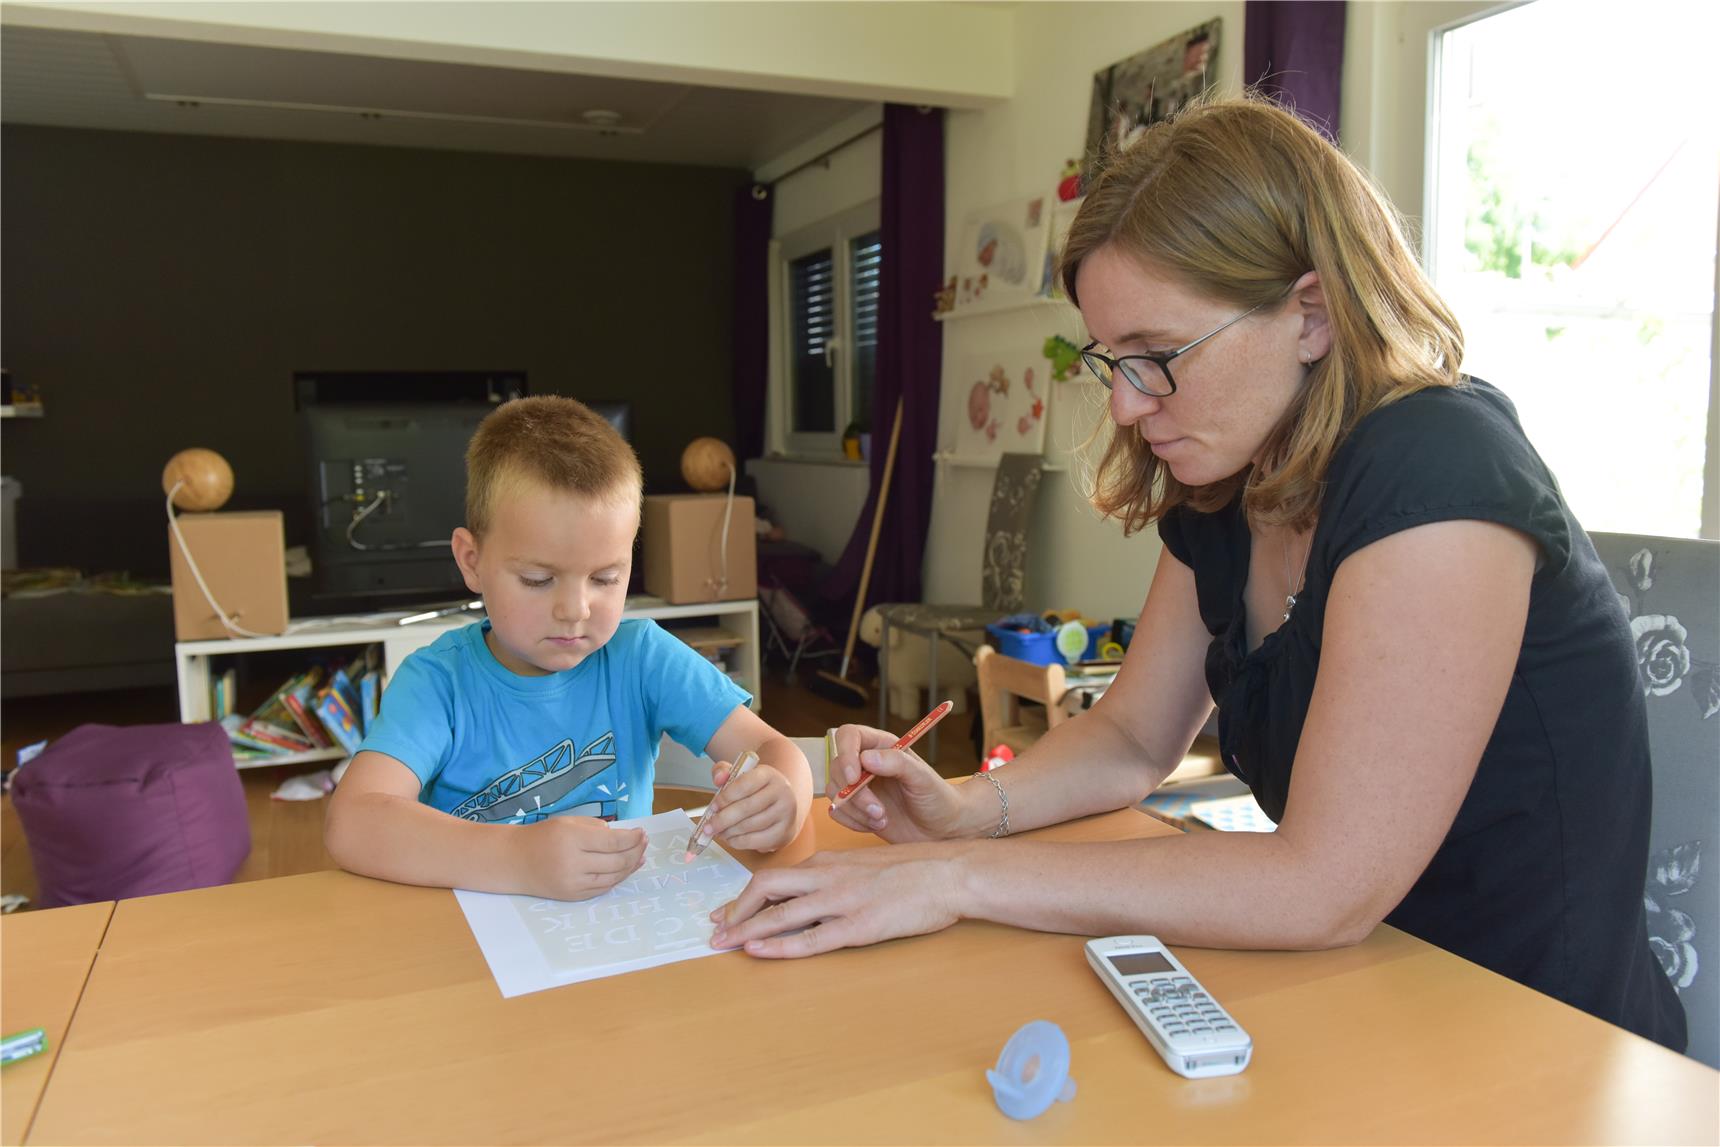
<point x="577" y="857"/>
<point x="756" y="812"/>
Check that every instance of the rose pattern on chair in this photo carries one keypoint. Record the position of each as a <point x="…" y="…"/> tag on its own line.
<point x="1663" y="658"/>
<point x="1664" y="663"/>
<point x="1671" y="932"/>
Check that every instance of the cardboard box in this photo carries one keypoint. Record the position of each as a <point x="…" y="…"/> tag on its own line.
<point x="683" y="548"/>
<point x="243" y="560"/>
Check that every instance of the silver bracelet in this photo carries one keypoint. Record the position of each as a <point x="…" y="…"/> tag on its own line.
<point x="1002" y="828"/>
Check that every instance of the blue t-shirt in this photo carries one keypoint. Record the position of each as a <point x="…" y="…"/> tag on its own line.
<point x="490" y="745"/>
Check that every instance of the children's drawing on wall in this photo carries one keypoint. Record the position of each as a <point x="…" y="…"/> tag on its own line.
<point x="1005" y="397"/>
<point x="1002" y="253"/>
<point x="1062" y="216"/>
<point x="1133" y="94"/>
<point x="658" y="915"/>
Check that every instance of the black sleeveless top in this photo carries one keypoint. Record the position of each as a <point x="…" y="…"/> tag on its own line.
<point x="1541" y="875"/>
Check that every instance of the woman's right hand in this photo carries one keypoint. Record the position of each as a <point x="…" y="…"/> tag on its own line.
<point x="907" y="801"/>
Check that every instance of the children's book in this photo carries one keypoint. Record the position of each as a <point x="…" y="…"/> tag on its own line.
<point x="299" y="699"/>
<point x="275" y="720"/>
<point x="338" y="717"/>
<point x="245" y="744"/>
<point x="370" y="694"/>
<point x="222" y="688"/>
<point x="342" y="684"/>
<point x="285" y="739"/>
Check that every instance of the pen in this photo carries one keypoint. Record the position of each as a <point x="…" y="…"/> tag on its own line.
<point x="702" y="836"/>
<point x="23" y="1045"/>
<point x="908" y="738"/>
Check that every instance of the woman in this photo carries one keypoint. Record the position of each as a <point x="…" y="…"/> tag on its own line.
<point x="1420" y="667"/>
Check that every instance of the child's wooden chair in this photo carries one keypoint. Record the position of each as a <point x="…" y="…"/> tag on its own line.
<point x="1004" y="683"/>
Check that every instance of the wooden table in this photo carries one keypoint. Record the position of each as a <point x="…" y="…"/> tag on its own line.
<point x="329" y="1008"/>
<point x="45" y="959"/>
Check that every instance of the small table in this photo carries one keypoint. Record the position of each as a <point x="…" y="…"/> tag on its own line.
<point x="45" y="959"/>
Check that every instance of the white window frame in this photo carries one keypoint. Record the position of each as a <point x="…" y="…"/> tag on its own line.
<point x="1708" y="525"/>
<point x="836" y="232"/>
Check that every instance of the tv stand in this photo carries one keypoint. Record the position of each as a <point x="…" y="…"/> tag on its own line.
<point x="724" y="623"/>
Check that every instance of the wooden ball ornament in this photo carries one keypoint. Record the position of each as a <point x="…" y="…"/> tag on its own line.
<point x="706" y="464"/>
<point x="205" y="478"/>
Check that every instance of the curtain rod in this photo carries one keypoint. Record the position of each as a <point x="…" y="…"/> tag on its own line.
<point x="827" y="153"/>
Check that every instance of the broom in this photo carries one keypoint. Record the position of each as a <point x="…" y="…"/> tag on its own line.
<point x="836" y="686"/>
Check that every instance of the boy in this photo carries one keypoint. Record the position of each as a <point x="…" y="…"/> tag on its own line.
<point x="503" y="747"/>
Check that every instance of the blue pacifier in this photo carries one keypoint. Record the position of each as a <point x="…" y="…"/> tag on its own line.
<point x="1032" y="1072"/>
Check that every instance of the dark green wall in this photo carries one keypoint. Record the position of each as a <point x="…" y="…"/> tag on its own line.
<point x="161" y="291"/>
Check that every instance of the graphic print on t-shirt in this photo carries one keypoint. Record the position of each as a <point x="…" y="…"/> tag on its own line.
<point x="530" y="792"/>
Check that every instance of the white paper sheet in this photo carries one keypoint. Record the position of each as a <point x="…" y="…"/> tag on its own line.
<point x="658" y="915"/>
<point x="1233" y="814"/>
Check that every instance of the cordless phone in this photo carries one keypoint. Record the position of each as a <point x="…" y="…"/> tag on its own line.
<point x="1193" y="1035"/>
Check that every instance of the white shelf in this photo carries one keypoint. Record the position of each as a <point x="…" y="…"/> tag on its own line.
<point x="1001" y="305"/>
<point x="311" y="757"/>
<point x="953" y="459"/>
<point x="739" y="619"/>
<point x="32" y="410"/>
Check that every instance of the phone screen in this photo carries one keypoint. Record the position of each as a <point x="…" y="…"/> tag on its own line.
<point x="1140" y="963"/>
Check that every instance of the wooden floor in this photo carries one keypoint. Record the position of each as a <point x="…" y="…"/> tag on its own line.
<point x="286" y="836"/>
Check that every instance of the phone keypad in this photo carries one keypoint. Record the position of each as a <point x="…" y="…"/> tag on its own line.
<point x="1181" y="1007"/>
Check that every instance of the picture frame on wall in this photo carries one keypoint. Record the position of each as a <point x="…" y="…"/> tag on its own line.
<point x="1001" y="256"/>
<point x="1004" y="396"/>
<point x="1133" y="94"/>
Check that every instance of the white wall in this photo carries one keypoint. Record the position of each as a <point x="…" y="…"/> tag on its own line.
<point x="1383" y="120"/>
<point x="847" y="178"/>
<point x="924" y="52"/>
<point x="816" y="503"/>
<point x="1017" y="149"/>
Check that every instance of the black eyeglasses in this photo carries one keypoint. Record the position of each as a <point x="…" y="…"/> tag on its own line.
<point x="1148" y="373"/>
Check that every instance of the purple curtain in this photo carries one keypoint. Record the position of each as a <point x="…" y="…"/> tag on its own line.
<point x="1293" y="50"/>
<point x="751" y="321"/>
<point x="910" y="358"/>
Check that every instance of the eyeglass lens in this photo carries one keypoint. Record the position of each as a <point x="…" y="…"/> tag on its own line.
<point x="1144" y="374"/>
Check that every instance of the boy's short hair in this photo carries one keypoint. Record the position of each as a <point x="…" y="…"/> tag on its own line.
<point x="558" y="442"/>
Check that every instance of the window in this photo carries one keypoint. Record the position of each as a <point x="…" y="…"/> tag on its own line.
<point x="812" y="315"/>
<point x="831" y="278"/>
<point x="1572" y="229"/>
<point x="866" y="261"/>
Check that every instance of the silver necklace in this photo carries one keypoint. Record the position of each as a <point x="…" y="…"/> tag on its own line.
<point x="1292" y="584"/>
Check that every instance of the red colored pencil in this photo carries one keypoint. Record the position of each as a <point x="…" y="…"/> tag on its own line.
<point x="907" y="739"/>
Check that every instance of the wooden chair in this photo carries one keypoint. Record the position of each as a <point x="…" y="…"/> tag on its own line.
<point x="1004" y="683"/>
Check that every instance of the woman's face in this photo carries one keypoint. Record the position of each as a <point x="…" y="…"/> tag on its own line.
<point x="1230" y="390"/>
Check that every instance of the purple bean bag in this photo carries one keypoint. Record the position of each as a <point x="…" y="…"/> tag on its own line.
<point x="118" y="812"/>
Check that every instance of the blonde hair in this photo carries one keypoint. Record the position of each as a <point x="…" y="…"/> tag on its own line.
<point x="557" y="442"/>
<point x="1237" y="199"/>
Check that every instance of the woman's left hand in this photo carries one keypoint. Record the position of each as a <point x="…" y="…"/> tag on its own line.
<point x="842" y="900"/>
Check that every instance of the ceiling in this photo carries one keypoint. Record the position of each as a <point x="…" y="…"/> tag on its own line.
<point x="135" y="83"/>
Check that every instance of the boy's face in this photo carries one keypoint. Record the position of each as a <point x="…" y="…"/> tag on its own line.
<point x="552" y="569"/>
